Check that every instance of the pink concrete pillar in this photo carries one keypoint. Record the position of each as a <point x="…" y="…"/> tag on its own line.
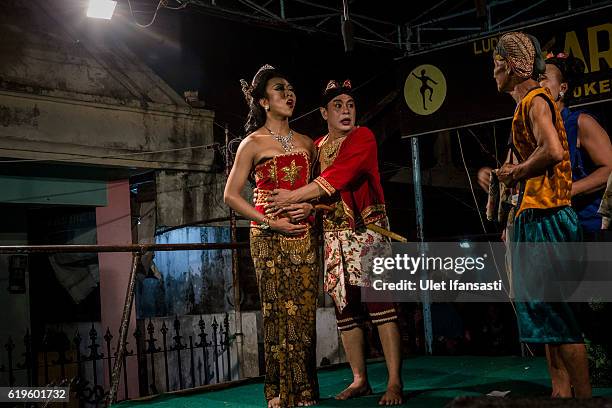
<point x="114" y="227"/>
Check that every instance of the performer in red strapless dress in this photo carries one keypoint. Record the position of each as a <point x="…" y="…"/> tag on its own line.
<point x="283" y="247"/>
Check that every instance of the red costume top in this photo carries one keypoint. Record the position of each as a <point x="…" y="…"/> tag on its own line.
<point x="288" y="171"/>
<point x="354" y="174"/>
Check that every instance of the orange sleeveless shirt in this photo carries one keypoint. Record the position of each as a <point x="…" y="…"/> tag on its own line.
<point x="552" y="189"/>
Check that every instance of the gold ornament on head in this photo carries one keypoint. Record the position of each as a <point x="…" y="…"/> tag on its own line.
<point x="333" y="84"/>
<point x="265" y="67"/>
<point x="247" y="89"/>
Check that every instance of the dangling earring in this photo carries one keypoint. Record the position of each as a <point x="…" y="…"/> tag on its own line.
<point x="268" y="108"/>
<point x="561" y="94"/>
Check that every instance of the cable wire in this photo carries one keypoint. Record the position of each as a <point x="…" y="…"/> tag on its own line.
<point x="354" y="89"/>
<point x="485" y="230"/>
<point x="161" y="4"/>
<point x="80" y="156"/>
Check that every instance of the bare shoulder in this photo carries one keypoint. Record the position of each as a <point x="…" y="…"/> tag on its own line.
<point x="539" y="103"/>
<point x="539" y="109"/>
<point x="585" y="119"/>
<point x="253" y="140"/>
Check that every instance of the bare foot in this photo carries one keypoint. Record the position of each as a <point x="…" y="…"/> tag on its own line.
<point x="274" y="402"/>
<point x="355" y="390"/>
<point x="393" y="396"/>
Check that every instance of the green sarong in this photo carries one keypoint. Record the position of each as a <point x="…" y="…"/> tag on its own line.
<point x="535" y="269"/>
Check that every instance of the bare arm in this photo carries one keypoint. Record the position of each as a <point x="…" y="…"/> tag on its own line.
<point x="596" y="142"/>
<point x="549" y="150"/>
<point x="235" y="183"/>
<point x="308" y="192"/>
<point x="237" y="179"/>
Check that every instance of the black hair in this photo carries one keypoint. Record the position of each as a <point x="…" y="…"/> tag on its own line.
<point x="539" y="66"/>
<point x="572" y="69"/>
<point x="253" y="93"/>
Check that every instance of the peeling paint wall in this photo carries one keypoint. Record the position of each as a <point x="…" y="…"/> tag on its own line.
<point x="190" y="282"/>
<point x="50" y="48"/>
<point x="71" y="90"/>
<point x="184" y="198"/>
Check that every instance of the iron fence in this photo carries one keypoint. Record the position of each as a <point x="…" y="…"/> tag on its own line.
<point x="85" y="361"/>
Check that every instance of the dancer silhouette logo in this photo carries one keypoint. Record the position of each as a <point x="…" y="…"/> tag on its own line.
<point x="425" y="89"/>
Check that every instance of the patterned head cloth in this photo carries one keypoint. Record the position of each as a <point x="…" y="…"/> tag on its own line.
<point x="522" y="53"/>
<point x="335" y="88"/>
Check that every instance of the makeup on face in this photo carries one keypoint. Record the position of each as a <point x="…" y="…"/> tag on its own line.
<point x="341" y="113"/>
<point x="281" y="95"/>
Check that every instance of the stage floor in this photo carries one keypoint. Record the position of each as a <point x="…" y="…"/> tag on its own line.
<point x="430" y="382"/>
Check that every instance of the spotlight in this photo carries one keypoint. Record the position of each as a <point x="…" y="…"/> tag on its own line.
<point x="101" y="9"/>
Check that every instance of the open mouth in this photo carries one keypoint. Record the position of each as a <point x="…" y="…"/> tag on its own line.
<point x="345" y="122"/>
<point x="290" y="103"/>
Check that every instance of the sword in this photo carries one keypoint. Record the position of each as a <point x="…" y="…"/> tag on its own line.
<point x="386" y="232"/>
<point x="372" y="227"/>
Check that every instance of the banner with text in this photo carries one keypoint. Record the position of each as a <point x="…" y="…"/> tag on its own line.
<point x="453" y="86"/>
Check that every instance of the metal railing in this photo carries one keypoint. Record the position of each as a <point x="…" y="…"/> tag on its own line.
<point x="78" y="362"/>
<point x="95" y="392"/>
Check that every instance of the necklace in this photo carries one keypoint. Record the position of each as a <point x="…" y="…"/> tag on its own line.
<point x="285" y="141"/>
<point x="333" y="146"/>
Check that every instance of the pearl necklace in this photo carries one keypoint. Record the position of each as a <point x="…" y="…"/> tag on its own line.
<point x="285" y="141"/>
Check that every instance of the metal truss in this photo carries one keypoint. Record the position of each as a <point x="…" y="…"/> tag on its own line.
<point x="485" y="17"/>
<point x="400" y="25"/>
<point x="311" y="16"/>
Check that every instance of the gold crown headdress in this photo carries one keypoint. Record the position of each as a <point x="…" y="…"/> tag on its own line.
<point x="247" y="88"/>
<point x="333" y="84"/>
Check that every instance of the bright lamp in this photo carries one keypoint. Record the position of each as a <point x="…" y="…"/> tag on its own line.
<point x="101" y="9"/>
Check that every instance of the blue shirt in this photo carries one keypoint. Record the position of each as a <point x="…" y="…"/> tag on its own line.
<point x="586" y="205"/>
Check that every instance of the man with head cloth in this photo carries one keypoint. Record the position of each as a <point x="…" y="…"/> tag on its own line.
<point x="543" y="214"/>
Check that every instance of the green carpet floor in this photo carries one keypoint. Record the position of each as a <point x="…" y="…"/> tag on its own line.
<point x="430" y="382"/>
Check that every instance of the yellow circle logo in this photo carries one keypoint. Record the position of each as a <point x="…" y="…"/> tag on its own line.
<point x="425" y="89"/>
